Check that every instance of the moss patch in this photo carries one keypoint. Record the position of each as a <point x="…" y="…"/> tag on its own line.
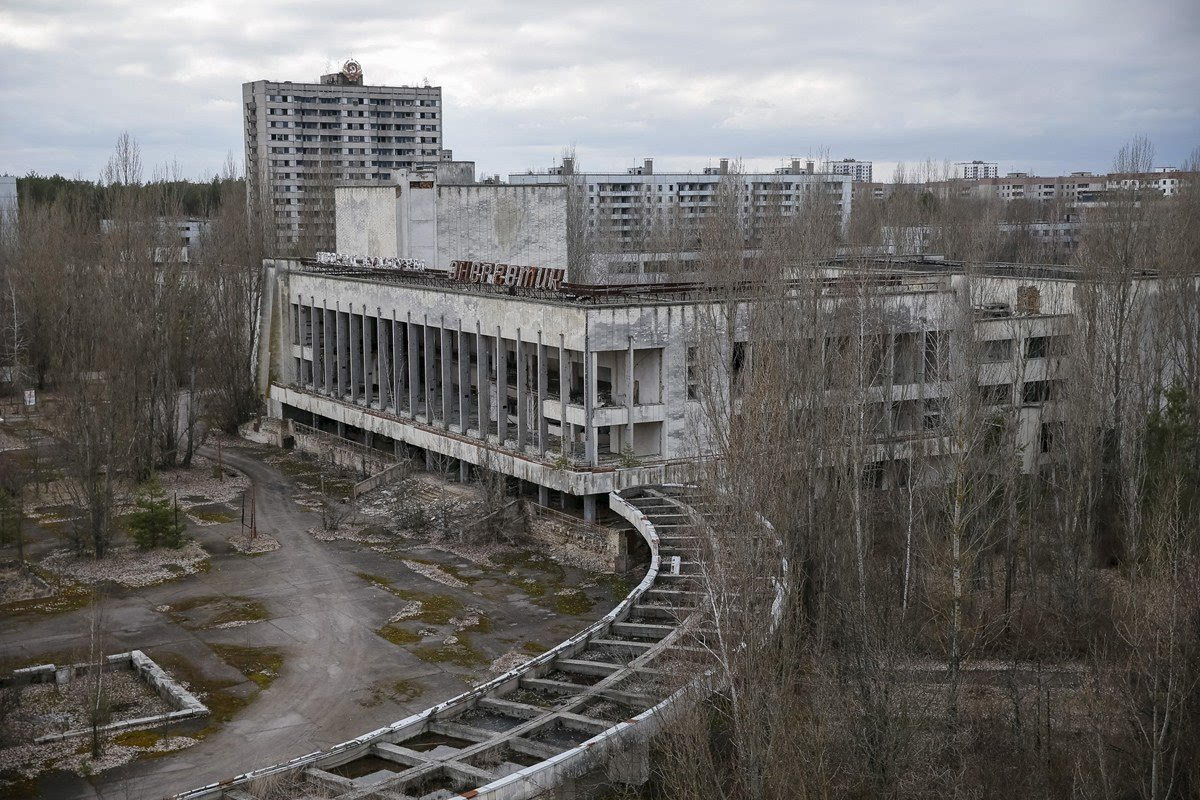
<point x="403" y="690"/>
<point x="226" y="609"/>
<point x="618" y="587"/>
<point x="551" y="577"/>
<point x="436" y="609"/>
<point x="573" y="602"/>
<point x="211" y="515"/>
<point x="142" y="738"/>
<point x="66" y="597"/>
<point x="533" y="648"/>
<point x="259" y="664"/>
<point x="461" y="653"/>
<point x="397" y="635"/>
<point x="242" y="611"/>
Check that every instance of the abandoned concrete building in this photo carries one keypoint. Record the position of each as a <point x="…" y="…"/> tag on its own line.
<point x="576" y="391"/>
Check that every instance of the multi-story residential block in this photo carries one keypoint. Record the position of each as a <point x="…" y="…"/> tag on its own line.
<point x="859" y="171"/>
<point x="176" y="238"/>
<point x="976" y="170"/>
<point x="1075" y="189"/>
<point x="640" y="222"/>
<point x="302" y="139"/>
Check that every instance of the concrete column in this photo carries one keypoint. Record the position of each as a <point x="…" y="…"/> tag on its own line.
<point x="428" y="460"/>
<point x="629" y="395"/>
<point x="481" y="381"/>
<point x="464" y="471"/>
<point x="445" y="351"/>
<point x="464" y="379"/>
<point x="543" y="496"/>
<point x="414" y="365"/>
<point x="539" y="413"/>
<point x="399" y="364"/>
<point x="383" y="360"/>
<point x="339" y="345"/>
<point x="430" y="369"/>
<point x="589" y="508"/>
<point x="314" y="342"/>
<point x="589" y="405"/>
<point x="564" y="393"/>
<point x="522" y="396"/>
<point x="354" y="323"/>
<point x="501" y="388"/>
<point x="329" y="337"/>
<point x="318" y="315"/>
<point x="366" y="357"/>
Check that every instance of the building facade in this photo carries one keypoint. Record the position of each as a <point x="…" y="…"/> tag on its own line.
<point x="859" y="171"/>
<point x="302" y="139"/>
<point x="976" y="170"/>
<point x="635" y="223"/>
<point x="575" y="393"/>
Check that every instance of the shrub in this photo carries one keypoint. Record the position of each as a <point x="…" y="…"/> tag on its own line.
<point x="156" y="522"/>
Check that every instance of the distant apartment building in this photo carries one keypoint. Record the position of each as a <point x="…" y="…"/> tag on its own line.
<point x="637" y="222"/>
<point x="302" y="139"/>
<point x="1075" y="189"/>
<point x="8" y="199"/>
<point x="859" y="171"/>
<point x="976" y="170"/>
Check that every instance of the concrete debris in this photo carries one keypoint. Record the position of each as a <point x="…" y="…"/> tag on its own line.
<point x="261" y="543"/>
<point x="435" y="573"/>
<point x="129" y="567"/>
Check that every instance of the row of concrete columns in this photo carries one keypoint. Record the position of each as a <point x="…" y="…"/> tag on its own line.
<point x="411" y="367"/>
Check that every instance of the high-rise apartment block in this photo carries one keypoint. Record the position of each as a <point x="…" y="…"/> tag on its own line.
<point x="638" y="223"/>
<point x="859" y="171"/>
<point x="976" y="170"/>
<point x="302" y="139"/>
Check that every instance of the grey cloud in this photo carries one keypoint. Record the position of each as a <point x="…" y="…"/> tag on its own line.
<point x="1053" y="86"/>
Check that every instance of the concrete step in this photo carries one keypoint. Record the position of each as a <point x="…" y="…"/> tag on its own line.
<point x="661" y="612"/>
<point x="643" y="629"/>
<point x="579" y="666"/>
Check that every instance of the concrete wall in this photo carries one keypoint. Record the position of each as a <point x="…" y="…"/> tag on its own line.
<point x="366" y="220"/>
<point x="509" y="224"/>
<point x="419" y="219"/>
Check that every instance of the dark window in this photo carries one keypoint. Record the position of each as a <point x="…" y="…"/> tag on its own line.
<point x="1037" y="347"/>
<point x="995" y="394"/>
<point x="1036" y="392"/>
<point x="997" y="350"/>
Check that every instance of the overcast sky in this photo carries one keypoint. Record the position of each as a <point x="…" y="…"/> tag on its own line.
<point x="1043" y="86"/>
